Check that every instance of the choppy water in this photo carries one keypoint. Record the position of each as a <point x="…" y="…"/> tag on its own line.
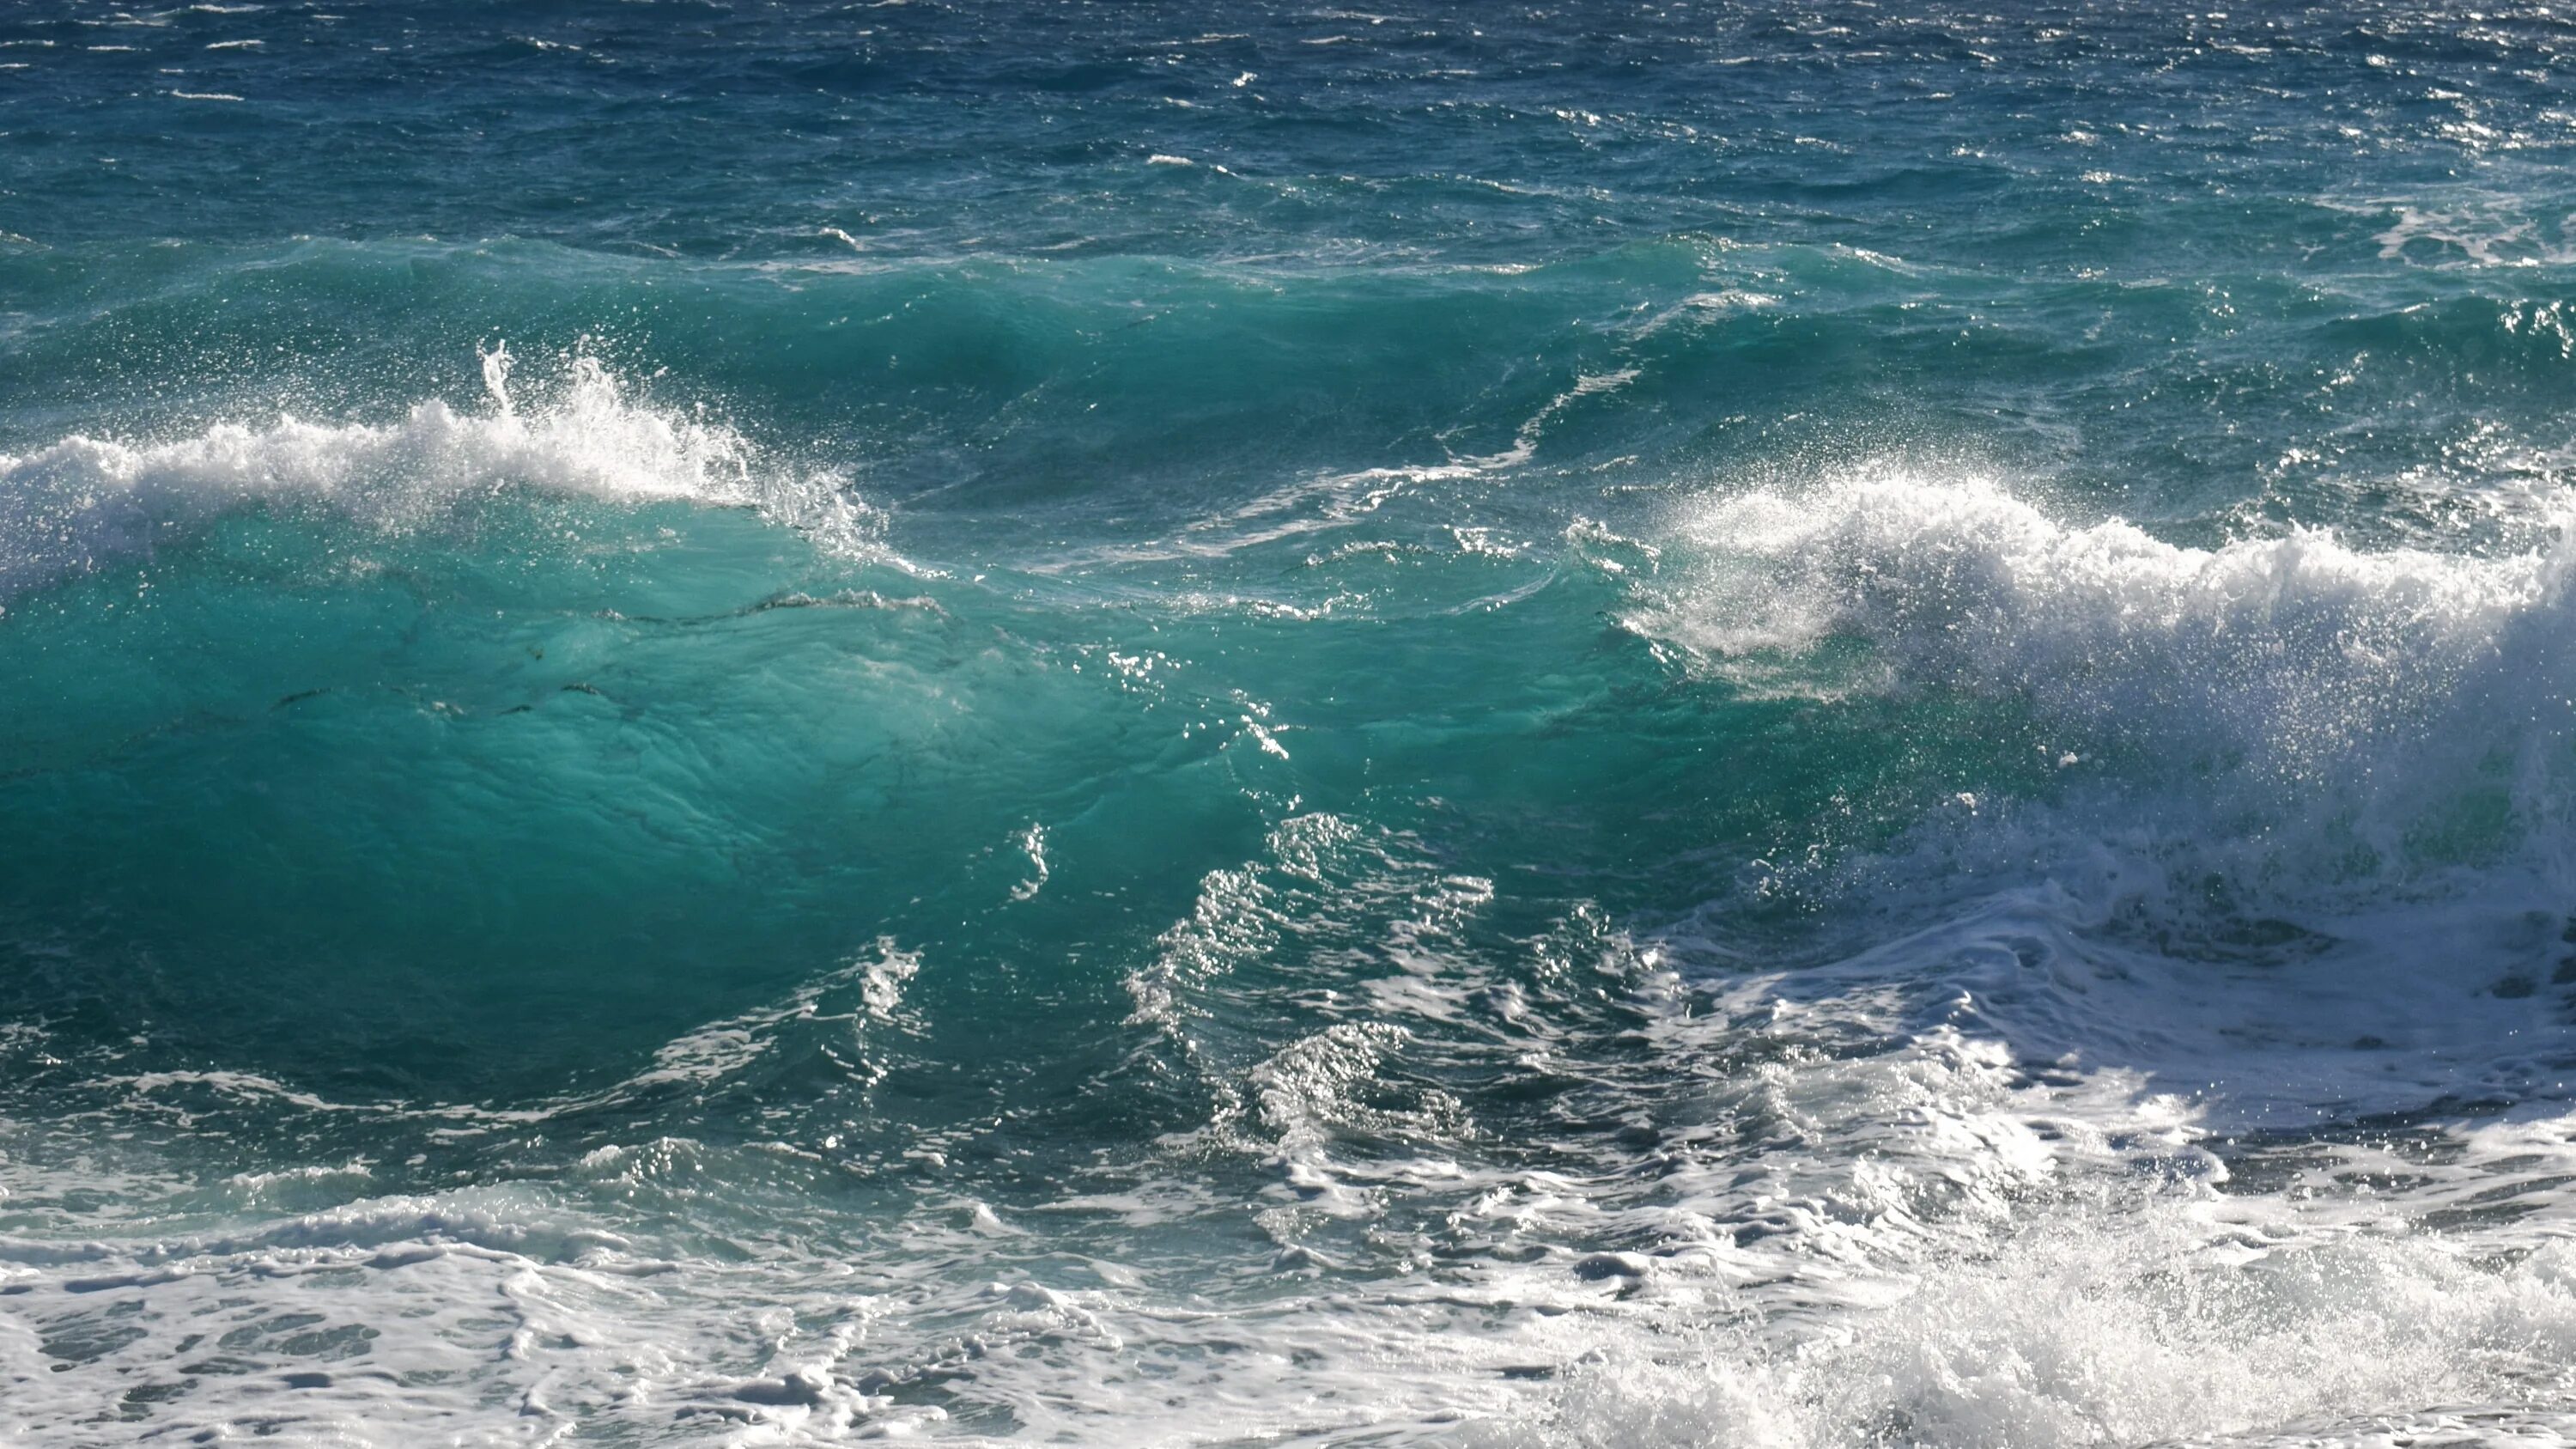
<point x="1249" y="725"/>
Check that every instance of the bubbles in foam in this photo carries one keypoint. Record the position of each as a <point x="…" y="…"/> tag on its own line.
<point x="82" y="503"/>
<point x="2140" y="1330"/>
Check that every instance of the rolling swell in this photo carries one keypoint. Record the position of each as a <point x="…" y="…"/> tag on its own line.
<point x="2316" y="723"/>
<point x="941" y="373"/>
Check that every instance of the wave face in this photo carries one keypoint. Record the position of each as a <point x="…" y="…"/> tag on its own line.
<point x="1612" y="726"/>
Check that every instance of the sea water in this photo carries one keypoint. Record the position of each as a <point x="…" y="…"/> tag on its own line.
<point x="1621" y="724"/>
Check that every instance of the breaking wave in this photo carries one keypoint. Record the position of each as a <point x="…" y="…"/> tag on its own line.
<point x="84" y="503"/>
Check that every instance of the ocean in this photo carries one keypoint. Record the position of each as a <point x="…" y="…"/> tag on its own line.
<point x="1462" y="726"/>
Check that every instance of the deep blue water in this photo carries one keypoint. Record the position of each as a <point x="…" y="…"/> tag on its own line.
<point x="1130" y="724"/>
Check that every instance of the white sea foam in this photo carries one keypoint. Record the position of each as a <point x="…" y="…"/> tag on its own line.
<point x="1861" y="1214"/>
<point x="2340" y="714"/>
<point x="2144" y="1331"/>
<point x="2294" y="838"/>
<point x="84" y="502"/>
<point x="2470" y="230"/>
<point x="1922" y="1247"/>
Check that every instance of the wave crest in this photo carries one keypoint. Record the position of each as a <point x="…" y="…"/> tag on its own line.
<point x="83" y="502"/>
<point x="2404" y="706"/>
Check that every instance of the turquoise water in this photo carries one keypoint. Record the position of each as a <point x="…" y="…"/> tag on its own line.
<point x="1599" y="725"/>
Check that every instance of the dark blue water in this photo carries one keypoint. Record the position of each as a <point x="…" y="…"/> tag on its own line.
<point x="1122" y="724"/>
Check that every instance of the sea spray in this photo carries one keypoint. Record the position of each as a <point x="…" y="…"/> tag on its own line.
<point x="79" y="504"/>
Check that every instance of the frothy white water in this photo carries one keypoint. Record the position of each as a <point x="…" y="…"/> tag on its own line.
<point x="1916" y="1245"/>
<point x="1930" y="1195"/>
<point x="2297" y="710"/>
<point x="1980" y="1185"/>
<point x="2156" y="1330"/>
<point x="2293" y="838"/>
<point x="83" y="503"/>
<point x="2298" y="646"/>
